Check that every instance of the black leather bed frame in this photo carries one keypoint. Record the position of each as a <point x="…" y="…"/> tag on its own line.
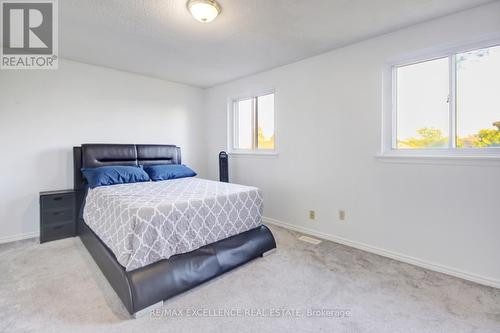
<point x="149" y="285"/>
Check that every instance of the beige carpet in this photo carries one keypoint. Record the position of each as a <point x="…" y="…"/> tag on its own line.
<point x="56" y="287"/>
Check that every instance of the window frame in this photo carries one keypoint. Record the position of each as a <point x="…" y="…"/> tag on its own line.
<point x="389" y="150"/>
<point x="232" y="130"/>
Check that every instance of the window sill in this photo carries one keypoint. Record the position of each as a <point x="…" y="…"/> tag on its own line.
<point x="270" y="154"/>
<point x="443" y="159"/>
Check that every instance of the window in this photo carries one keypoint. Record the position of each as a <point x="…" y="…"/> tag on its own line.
<point x="478" y="98"/>
<point x="422" y="105"/>
<point x="253" y="124"/>
<point x="446" y="104"/>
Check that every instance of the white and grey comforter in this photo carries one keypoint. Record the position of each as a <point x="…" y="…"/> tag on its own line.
<point x="146" y="222"/>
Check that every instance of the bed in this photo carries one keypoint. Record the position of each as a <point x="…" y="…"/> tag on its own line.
<point x="155" y="240"/>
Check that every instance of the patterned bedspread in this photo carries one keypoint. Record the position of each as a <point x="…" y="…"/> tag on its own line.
<point x="146" y="222"/>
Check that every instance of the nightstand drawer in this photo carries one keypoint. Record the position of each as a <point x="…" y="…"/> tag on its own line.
<point x="52" y="216"/>
<point x="57" y="231"/>
<point x="57" y="201"/>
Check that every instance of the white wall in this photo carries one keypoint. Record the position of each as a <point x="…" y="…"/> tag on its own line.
<point x="44" y="113"/>
<point x="329" y="131"/>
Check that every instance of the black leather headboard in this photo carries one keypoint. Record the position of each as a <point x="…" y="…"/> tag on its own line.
<point x="97" y="155"/>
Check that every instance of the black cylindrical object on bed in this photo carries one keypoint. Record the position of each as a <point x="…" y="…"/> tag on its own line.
<point x="223" y="167"/>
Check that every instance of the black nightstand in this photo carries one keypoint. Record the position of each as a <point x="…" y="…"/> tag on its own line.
<point x="57" y="215"/>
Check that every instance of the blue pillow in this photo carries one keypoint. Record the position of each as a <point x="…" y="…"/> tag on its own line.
<point x="168" y="171"/>
<point x="116" y="174"/>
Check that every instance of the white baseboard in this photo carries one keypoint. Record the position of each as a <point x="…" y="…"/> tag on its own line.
<point x="27" y="235"/>
<point x="487" y="281"/>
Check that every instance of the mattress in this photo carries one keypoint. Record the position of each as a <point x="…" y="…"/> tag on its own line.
<point x="142" y="223"/>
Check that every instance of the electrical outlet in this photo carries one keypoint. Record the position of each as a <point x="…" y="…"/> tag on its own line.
<point x="312" y="215"/>
<point x="342" y="215"/>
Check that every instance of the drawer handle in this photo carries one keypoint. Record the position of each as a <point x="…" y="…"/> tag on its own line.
<point x="58" y="227"/>
<point x="57" y="198"/>
<point x="56" y="213"/>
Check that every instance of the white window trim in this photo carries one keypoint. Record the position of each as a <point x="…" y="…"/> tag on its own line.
<point x="230" y="126"/>
<point x="451" y="155"/>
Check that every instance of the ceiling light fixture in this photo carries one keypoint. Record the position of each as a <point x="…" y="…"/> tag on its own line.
<point x="204" y="10"/>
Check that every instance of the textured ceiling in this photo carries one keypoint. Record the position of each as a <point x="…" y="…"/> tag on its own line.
<point x="159" y="38"/>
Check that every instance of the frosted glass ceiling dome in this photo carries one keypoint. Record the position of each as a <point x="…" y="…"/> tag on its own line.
<point x="204" y="10"/>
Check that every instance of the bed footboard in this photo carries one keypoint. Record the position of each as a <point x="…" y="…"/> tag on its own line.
<point x="143" y="287"/>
